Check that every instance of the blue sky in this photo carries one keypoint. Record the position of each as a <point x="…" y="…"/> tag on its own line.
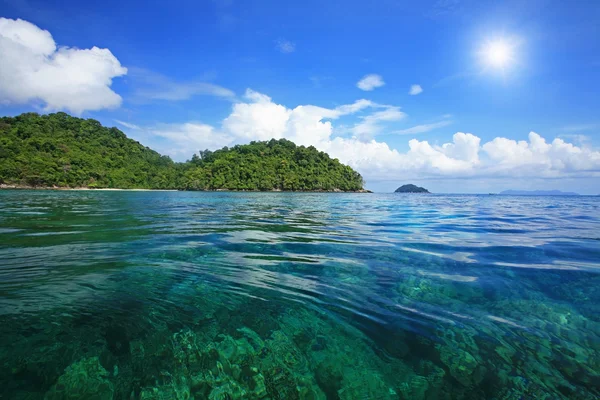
<point x="176" y="77"/>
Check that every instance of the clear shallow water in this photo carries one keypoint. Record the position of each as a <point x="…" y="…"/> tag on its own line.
<point x="174" y="295"/>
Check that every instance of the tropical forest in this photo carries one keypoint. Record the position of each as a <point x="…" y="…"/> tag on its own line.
<point x="59" y="150"/>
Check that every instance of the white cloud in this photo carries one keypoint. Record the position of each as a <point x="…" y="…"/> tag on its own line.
<point x="371" y="124"/>
<point x="537" y="157"/>
<point x="183" y="140"/>
<point x="258" y="117"/>
<point x="581" y="140"/>
<point x="154" y="86"/>
<point x="33" y="68"/>
<point x="415" y="89"/>
<point x="377" y="161"/>
<point x="184" y="91"/>
<point x="465" y="156"/>
<point x="261" y="119"/>
<point x="370" y="82"/>
<point x="464" y="147"/>
<point x="127" y="124"/>
<point x="285" y="46"/>
<point x="354" y="107"/>
<point x="422" y="128"/>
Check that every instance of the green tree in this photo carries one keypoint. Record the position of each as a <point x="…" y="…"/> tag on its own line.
<point x="60" y="150"/>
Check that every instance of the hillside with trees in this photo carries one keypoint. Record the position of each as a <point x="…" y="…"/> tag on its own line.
<point x="58" y="150"/>
<point x="276" y="164"/>
<point x="64" y="151"/>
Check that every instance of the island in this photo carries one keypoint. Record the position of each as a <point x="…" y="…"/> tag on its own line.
<point x="410" y="188"/>
<point x="537" y="193"/>
<point x="61" y="151"/>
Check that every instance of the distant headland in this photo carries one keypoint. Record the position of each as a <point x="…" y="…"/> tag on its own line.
<point x="537" y="193"/>
<point x="410" y="188"/>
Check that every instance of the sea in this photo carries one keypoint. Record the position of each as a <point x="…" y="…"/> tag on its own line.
<point x="230" y="295"/>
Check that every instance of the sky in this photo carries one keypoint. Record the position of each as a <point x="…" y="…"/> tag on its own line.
<point x="460" y="96"/>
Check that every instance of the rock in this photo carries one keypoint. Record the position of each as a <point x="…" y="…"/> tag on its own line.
<point x="85" y="379"/>
<point x="365" y="385"/>
<point x="178" y="389"/>
<point x="461" y="364"/>
<point x="411" y="189"/>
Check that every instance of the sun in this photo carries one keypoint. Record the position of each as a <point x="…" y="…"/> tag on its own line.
<point x="498" y="54"/>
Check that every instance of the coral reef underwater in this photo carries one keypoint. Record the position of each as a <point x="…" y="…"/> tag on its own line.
<point x="212" y="345"/>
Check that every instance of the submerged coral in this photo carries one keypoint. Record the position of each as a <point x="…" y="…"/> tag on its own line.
<point x="85" y="379"/>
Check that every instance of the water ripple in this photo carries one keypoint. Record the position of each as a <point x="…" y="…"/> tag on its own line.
<point x="512" y="282"/>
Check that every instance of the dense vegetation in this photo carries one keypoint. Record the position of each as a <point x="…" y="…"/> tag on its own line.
<point x="410" y="188"/>
<point x="64" y="151"/>
<point x="60" y="150"/>
<point x="276" y="164"/>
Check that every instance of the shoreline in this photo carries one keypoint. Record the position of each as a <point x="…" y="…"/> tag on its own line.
<point x="25" y="187"/>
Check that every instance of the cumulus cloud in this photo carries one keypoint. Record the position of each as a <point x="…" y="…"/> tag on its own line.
<point x="415" y="89"/>
<point x="463" y="156"/>
<point x="285" y="46"/>
<point x="377" y="161"/>
<point x="258" y="117"/>
<point x="537" y="157"/>
<point x="370" y="82"/>
<point x="183" y="140"/>
<point x="34" y="68"/>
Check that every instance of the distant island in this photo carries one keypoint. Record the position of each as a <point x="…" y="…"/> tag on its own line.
<point x="538" y="193"/>
<point x="61" y="151"/>
<point x="411" y="189"/>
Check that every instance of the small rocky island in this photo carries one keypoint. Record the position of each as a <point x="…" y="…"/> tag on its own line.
<point x="411" y="189"/>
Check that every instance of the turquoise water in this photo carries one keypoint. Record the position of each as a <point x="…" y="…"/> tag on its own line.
<point x="175" y="295"/>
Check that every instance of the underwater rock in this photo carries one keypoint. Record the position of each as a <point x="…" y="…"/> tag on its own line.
<point x="427" y="385"/>
<point x="555" y="352"/>
<point x="137" y="350"/>
<point x="177" y="389"/>
<point x="84" y="379"/>
<point x="344" y="366"/>
<point x="287" y="373"/>
<point x="415" y="387"/>
<point x="460" y="354"/>
<point x="436" y="289"/>
<point x="224" y="367"/>
<point x="365" y="385"/>
<point x="462" y="365"/>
